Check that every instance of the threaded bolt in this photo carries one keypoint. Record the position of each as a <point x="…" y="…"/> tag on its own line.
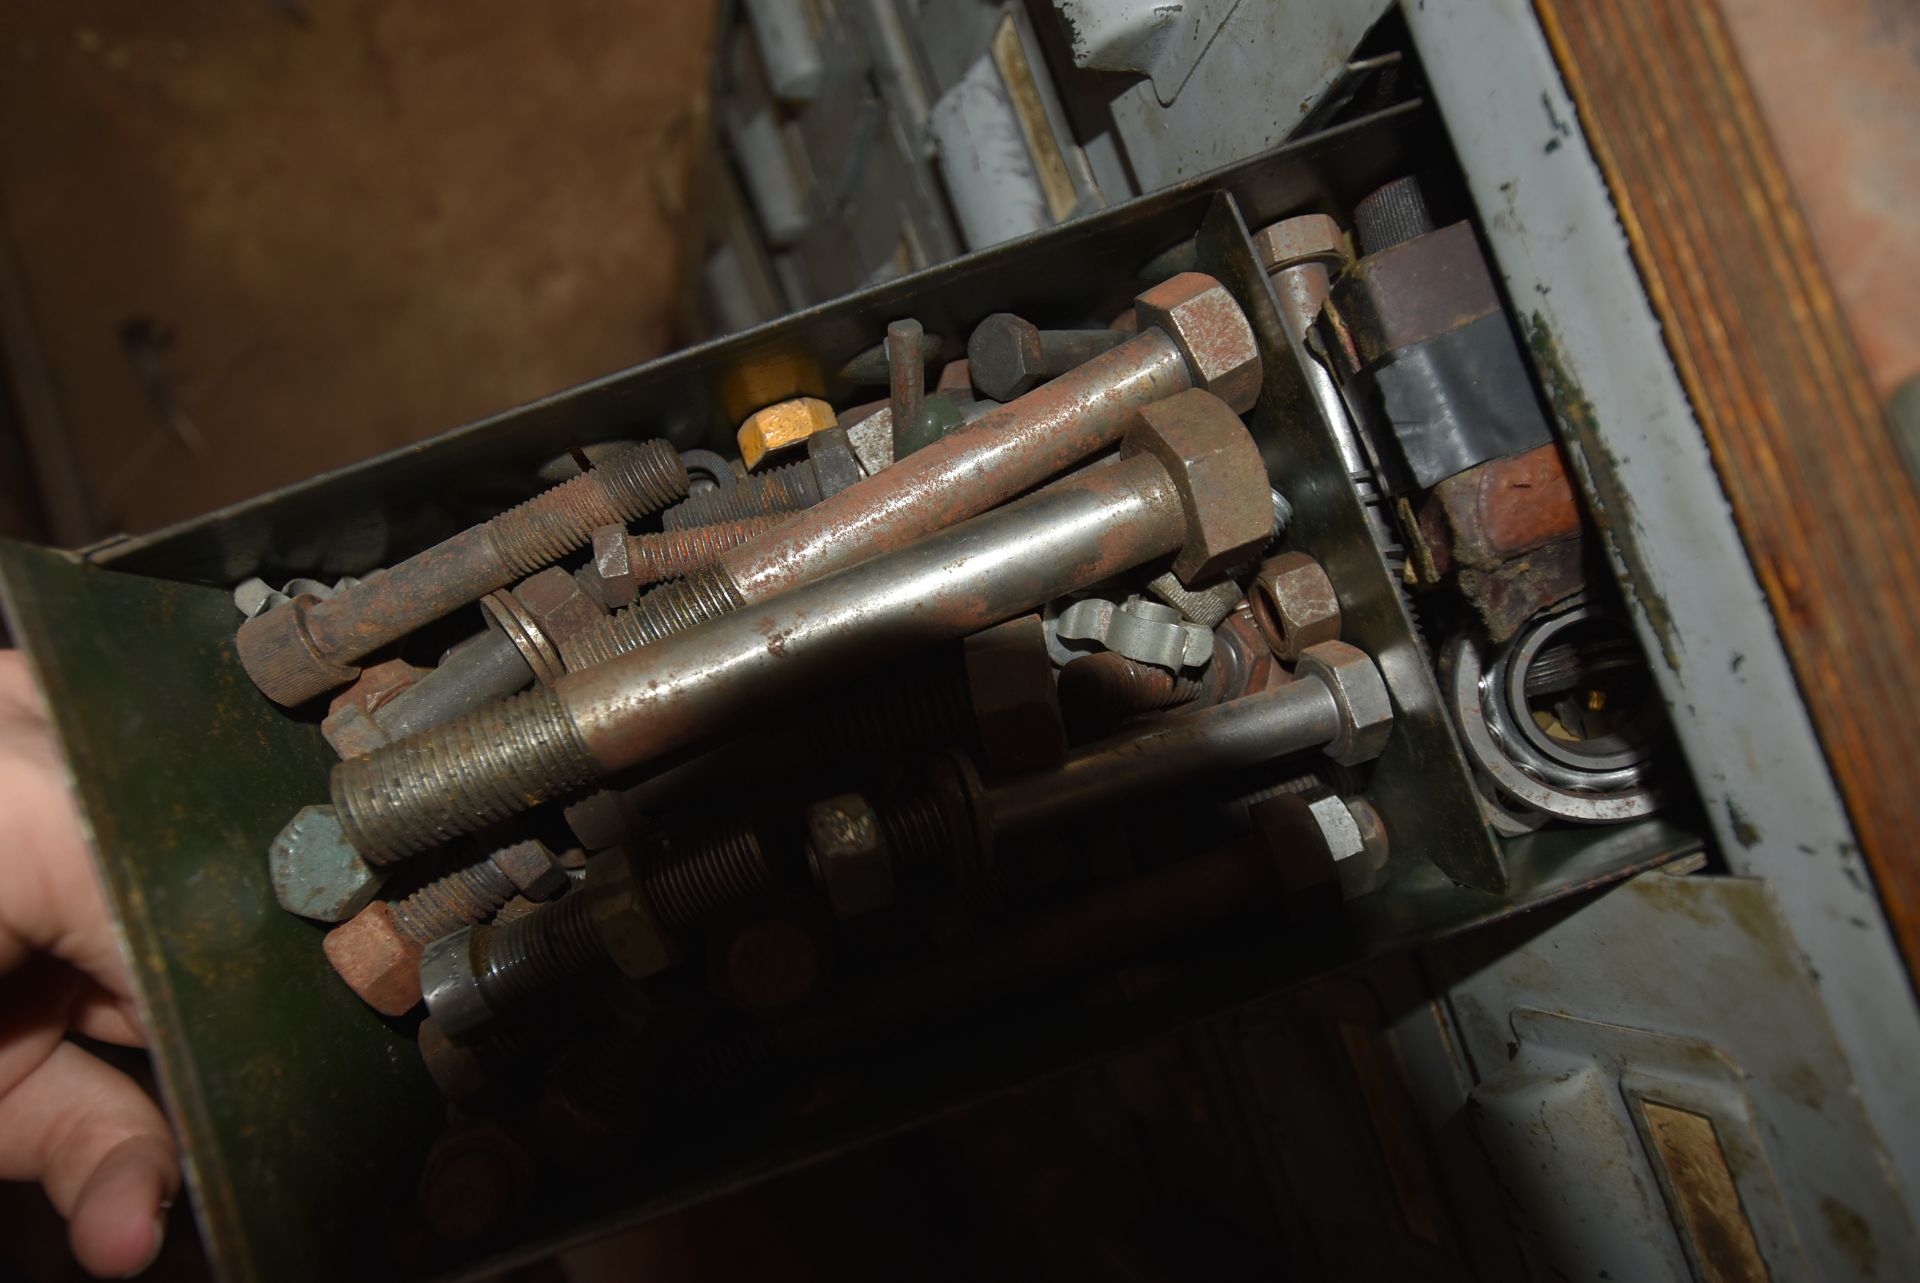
<point x="706" y="593"/>
<point x="701" y="876"/>
<point x="446" y="904"/>
<point x="920" y="833"/>
<point x="789" y="489"/>
<point x="627" y="486"/>
<point x="458" y="778"/>
<point x="674" y="553"/>
<point x="903" y="709"/>
<point x="537" y="953"/>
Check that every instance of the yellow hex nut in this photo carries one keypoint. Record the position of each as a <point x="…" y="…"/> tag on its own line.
<point x="782" y="425"/>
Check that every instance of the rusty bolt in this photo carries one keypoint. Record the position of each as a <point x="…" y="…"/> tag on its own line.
<point x="1201" y="317"/>
<point x="848" y="853"/>
<point x="1008" y="356"/>
<point x="1200" y="441"/>
<point x="778" y="426"/>
<point x="1308" y="238"/>
<point x="1366" y="711"/>
<point x="1294" y="604"/>
<point x="557" y="603"/>
<point x="377" y="959"/>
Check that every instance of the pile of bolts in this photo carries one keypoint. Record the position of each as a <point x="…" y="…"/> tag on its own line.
<point x="783" y="755"/>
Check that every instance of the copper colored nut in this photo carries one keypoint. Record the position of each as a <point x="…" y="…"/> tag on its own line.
<point x="778" y="426"/>
<point x="532" y="868"/>
<point x="849" y="855"/>
<point x="1294" y="604"/>
<point x="1199" y="315"/>
<point x="1222" y="482"/>
<point x="1306" y="238"/>
<point x="612" y="565"/>
<point x="557" y="603"/>
<point x="767" y="967"/>
<point x="376" y="960"/>
<point x="1016" y="707"/>
<point x="622" y="919"/>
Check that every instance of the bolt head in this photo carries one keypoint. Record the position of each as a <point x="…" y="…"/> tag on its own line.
<point x="1016" y="707"/>
<point x="1221" y="480"/>
<point x="1003" y="357"/>
<point x="376" y="960"/>
<point x="1366" y="709"/>
<point x="1202" y="318"/>
<point x="1294" y="604"/>
<point x="351" y="732"/>
<point x="316" y="873"/>
<point x="531" y="867"/>
<point x="835" y="466"/>
<point x="1308" y="238"/>
<point x="849" y="855"/>
<point x="622" y="919"/>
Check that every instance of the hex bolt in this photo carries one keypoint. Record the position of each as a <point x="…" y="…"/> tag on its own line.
<point x="1009" y="357"/>
<point x="1190" y="478"/>
<point x="625" y="563"/>
<point x="1294" y="604"/>
<point x="1194" y="336"/>
<point x="632" y="914"/>
<point x="791" y="487"/>
<point x="906" y="383"/>
<point x="1338" y="705"/>
<point x="377" y="952"/>
<point x="306" y="646"/>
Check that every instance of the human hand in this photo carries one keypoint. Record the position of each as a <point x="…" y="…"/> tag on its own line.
<point x="92" y="1138"/>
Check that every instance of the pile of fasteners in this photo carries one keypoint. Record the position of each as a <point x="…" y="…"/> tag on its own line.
<point x="753" y="764"/>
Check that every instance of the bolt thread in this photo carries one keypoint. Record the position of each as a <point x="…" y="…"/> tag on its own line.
<point x="918" y="833"/>
<point x="697" y="878"/>
<point x="902" y="710"/>
<point x="707" y="592"/>
<point x="620" y="489"/>
<point x="444" y="905"/>
<point x="674" y="553"/>
<point x="536" y="954"/>
<point x="785" y="489"/>
<point x="458" y="778"/>
<point x="1111" y="685"/>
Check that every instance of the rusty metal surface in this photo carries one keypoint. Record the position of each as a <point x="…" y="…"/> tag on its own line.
<point x="1415" y="291"/>
<point x="1501" y="509"/>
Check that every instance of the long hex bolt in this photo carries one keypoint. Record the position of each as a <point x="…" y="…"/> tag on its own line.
<point x="785" y="489"/>
<point x="1008" y="357"/>
<point x="1196" y="336"/>
<point x="306" y="646"/>
<point x="635" y="920"/>
<point x="1190" y="478"/>
<point x="673" y="554"/>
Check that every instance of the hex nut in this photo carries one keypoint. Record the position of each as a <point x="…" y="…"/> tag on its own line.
<point x="1294" y="604"/>
<point x="1305" y="238"/>
<point x="557" y="604"/>
<point x="1202" y="318"/>
<point x="767" y="431"/>
<point x="835" y="466"/>
<point x="531" y="867"/>
<point x="376" y="960"/>
<point x="1016" y="706"/>
<point x="316" y="872"/>
<point x="612" y="565"/>
<point x="1221" y="480"/>
<point x="848" y="852"/>
<point x="1360" y="693"/>
<point x="622" y="919"/>
<point x="1004" y="359"/>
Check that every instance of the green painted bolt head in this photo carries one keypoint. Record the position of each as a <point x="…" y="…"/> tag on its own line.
<point x="316" y="872"/>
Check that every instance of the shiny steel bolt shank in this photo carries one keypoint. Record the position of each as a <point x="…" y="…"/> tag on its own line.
<point x="417" y="794"/>
<point x="1198" y="338"/>
<point x="306" y="646"/>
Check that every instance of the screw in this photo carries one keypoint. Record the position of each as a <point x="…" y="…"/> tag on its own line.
<point x="673" y="554"/>
<point x="788" y="488"/>
<point x="1009" y="357"/>
<point x="631" y="918"/>
<point x="306" y="645"/>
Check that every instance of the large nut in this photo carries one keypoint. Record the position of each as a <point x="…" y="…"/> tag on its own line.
<point x="1016" y="707"/>
<point x="622" y="919"/>
<point x="531" y="867"/>
<point x="1360" y="693"/>
<point x="315" y="871"/>
<point x="1217" y="470"/>
<point x="778" y="426"/>
<point x="1199" y="315"/>
<point x="377" y="960"/>
<point x="557" y="604"/>
<point x="1294" y="604"/>
<point x="848" y="851"/>
<point x="1004" y="359"/>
